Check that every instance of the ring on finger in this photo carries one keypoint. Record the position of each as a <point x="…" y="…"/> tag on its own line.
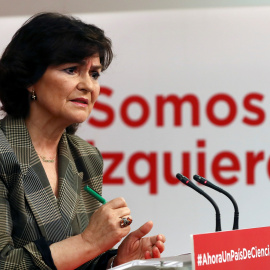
<point x="124" y="222"/>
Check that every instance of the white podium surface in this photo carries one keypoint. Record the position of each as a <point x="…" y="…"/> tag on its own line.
<point x="182" y="262"/>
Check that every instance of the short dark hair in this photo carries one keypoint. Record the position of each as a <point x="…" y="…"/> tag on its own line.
<point x="46" y="39"/>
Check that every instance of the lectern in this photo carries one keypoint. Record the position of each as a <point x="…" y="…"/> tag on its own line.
<point x="236" y="249"/>
<point x="181" y="262"/>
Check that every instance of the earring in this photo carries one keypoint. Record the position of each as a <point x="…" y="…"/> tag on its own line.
<point x="33" y="96"/>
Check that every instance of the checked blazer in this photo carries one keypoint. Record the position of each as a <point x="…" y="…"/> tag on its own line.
<point x="28" y="207"/>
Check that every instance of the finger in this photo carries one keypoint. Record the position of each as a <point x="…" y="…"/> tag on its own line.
<point x="147" y="255"/>
<point x="153" y="239"/>
<point x="126" y="230"/>
<point x="126" y="216"/>
<point x="107" y="212"/>
<point x="161" y="237"/>
<point x="160" y="245"/>
<point x="143" y="230"/>
<point x="117" y="203"/>
<point x="122" y="212"/>
<point x="155" y="252"/>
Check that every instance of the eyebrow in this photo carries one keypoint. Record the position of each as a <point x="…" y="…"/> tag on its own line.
<point x="83" y="62"/>
<point x="96" y="66"/>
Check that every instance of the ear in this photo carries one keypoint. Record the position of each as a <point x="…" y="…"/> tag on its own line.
<point x="30" y="88"/>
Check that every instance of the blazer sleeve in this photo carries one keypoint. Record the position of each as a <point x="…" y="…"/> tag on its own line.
<point x="26" y="257"/>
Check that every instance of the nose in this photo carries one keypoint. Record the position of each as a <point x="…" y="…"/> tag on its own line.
<point x="85" y="84"/>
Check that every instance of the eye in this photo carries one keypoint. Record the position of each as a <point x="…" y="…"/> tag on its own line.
<point x="95" y="75"/>
<point x="71" y="70"/>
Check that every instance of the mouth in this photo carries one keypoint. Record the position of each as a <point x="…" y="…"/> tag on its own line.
<point x="82" y="101"/>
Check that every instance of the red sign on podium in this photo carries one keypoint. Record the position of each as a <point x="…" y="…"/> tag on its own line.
<point x="238" y="249"/>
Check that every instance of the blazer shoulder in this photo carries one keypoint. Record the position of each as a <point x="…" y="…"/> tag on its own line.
<point x="84" y="147"/>
<point x="9" y="165"/>
<point x="5" y="146"/>
<point x="88" y="160"/>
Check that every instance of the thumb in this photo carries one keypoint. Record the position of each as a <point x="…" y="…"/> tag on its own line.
<point x="143" y="230"/>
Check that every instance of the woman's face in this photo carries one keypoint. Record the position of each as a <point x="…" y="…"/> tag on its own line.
<point x="67" y="93"/>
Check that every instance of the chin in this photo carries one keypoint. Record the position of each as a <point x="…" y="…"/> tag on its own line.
<point x="78" y="121"/>
<point x="80" y="118"/>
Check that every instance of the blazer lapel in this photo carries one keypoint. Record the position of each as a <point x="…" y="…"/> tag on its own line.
<point x="70" y="182"/>
<point x="38" y="192"/>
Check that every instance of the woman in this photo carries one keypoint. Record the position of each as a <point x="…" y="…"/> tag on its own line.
<point x="48" y="84"/>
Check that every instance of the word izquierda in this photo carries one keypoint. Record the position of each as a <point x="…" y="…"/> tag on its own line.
<point x="225" y="166"/>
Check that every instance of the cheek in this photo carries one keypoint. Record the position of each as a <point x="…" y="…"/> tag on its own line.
<point x="95" y="95"/>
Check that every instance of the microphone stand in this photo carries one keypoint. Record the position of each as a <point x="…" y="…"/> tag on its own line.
<point x="187" y="182"/>
<point x="205" y="182"/>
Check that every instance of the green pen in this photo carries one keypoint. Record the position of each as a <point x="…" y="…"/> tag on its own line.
<point x="94" y="194"/>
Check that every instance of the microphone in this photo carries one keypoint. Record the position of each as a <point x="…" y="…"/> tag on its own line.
<point x="209" y="184"/>
<point x="187" y="182"/>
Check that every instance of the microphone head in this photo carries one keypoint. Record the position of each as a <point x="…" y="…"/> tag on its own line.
<point x="182" y="178"/>
<point x="199" y="179"/>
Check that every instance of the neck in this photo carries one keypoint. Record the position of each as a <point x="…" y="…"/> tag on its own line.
<point x="44" y="139"/>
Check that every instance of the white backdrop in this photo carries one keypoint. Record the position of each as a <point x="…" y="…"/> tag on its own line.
<point x="220" y="60"/>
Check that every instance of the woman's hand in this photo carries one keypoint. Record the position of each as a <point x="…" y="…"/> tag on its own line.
<point x="135" y="247"/>
<point x="104" y="231"/>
